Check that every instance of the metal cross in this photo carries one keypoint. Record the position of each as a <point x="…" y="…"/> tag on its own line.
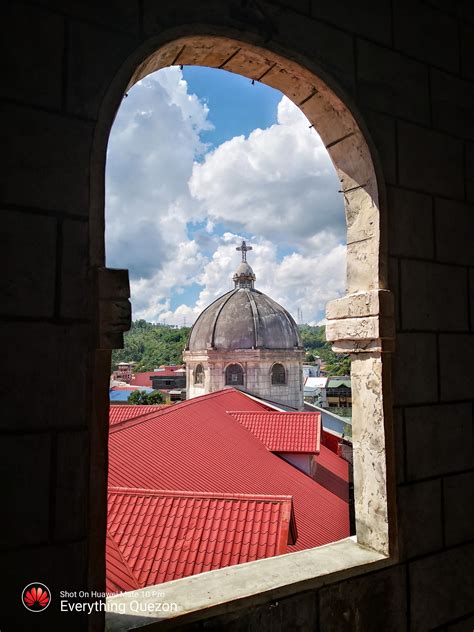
<point x="243" y="248"/>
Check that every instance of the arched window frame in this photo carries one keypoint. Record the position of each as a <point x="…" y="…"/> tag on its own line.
<point x="360" y="324"/>
<point x="199" y="375"/>
<point x="273" y="375"/>
<point x="226" y="374"/>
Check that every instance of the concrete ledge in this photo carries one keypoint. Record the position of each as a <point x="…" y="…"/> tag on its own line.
<point x="245" y="585"/>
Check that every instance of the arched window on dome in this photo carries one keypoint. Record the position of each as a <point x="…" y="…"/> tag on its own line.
<point x="199" y="374"/>
<point x="234" y="375"/>
<point x="278" y="374"/>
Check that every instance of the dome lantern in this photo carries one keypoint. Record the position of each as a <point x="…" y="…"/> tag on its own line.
<point x="244" y="276"/>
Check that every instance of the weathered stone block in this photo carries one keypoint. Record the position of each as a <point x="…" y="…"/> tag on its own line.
<point x="331" y="47"/>
<point x="385" y="78"/>
<point x="349" y="606"/>
<point x="434" y="296"/>
<point x="58" y="355"/>
<point x="29" y="248"/>
<point x="70" y="521"/>
<point x="420" y="518"/>
<point x="75" y="284"/>
<point x="453" y="104"/>
<point x="39" y="148"/>
<point x="25" y="471"/>
<point x="440" y="440"/>
<point x="34" y="74"/>
<point x="410" y="224"/>
<point x="465" y="625"/>
<point x="382" y="130"/>
<point x="459" y="508"/>
<point x="399" y="440"/>
<point x="95" y="56"/>
<point x="414" y="373"/>
<point x="370" y="18"/>
<point x="393" y="282"/>
<point x="115" y="14"/>
<point x="430" y="161"/>
<point x="471" y="296"/>
<point x="362" y="304"/>
<point x="467" y="49"/>
<point x="435" y="576"/>
<point x="426" y="33"/>
<point x="456" y="368"/>
<point x="454" y="229"/>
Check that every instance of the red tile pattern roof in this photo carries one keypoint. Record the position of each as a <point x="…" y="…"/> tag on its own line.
<point x="282" y="431"/>
<point x="122" y="412"/>
<point x="119" y="577"/>
<point x="197" y="446"/>
<point x="165" y="535"/>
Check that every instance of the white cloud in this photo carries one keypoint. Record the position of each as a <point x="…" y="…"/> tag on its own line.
<point x="277" y="186"/>
<point x="278" y="182"/>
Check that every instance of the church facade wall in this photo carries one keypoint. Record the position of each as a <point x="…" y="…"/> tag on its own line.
<point x="408" y="68"/>
<point x="257" y="367"/>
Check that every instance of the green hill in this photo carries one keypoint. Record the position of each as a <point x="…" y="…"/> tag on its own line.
<point x="150" y="345"/>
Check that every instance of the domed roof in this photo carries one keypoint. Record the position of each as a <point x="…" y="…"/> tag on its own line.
<point x="244" y="318"/>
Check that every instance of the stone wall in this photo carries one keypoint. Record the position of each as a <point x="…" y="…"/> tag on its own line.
<point x="407" y="68"/>
<point x="257" y="366"/>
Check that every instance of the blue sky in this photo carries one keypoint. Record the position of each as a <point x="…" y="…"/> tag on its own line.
<point x="199" y="159"/>
<point x="237" y="109"/>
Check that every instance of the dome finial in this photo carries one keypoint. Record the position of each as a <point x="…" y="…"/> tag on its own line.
<point x="244" y="248"/>
<point x="244" y="276"/>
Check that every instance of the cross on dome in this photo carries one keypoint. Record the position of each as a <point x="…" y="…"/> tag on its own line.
<point x="244" y="276"/>
<point x="243" y="248"/>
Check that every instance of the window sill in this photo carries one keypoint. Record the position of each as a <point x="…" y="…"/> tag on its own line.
<point x="245" y="585"/>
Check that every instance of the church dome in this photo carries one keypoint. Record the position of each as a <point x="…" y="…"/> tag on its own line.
<point x="244" y="318"/>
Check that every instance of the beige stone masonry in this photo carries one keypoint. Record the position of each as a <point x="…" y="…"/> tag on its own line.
<point x="361" y="322"/>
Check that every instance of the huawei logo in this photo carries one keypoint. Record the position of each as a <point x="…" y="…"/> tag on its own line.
<point x="36" y="597"/>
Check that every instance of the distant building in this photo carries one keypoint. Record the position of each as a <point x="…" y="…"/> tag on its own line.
<point x="124" y="372"/>
<point x="339" y="392"/>
<point x="246" y="340"/>
<point x="315" y="390"/>
<point x="313" y="369"/>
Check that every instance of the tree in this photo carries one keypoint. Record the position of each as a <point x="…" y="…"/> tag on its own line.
<point x="142" y="398"/>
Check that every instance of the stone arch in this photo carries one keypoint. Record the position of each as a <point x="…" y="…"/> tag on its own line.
<point x="234" y="374"/>
<point x="278" y="374"/>
<point x="362" y="322"/>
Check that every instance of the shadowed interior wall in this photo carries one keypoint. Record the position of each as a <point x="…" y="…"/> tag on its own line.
<point x="408" y="68"/>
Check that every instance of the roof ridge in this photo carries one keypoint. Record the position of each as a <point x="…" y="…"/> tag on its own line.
<point x="127" y="423"/>
<point x="190" y="494"/>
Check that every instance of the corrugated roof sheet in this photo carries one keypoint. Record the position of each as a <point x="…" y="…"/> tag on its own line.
<point x="165" y="535"/>
<point x="117" y="414"/>
<point x="283" y="432"/>
<point x="337" y="382"/>
<point x="333" y="473"/>
<point x="197" y="446"/>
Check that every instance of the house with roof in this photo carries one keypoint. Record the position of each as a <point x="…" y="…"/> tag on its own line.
<point x="194" y="487"/>
<point x="339" y="392"/>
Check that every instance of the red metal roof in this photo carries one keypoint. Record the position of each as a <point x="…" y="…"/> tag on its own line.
<point x="333" y="473"/>
<point x="165" y="535"/>
<point x="119" y="577"/>
<point x="122" y="412"/>
<point x="197" y="446"/>
<point x="283" y="431"/>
